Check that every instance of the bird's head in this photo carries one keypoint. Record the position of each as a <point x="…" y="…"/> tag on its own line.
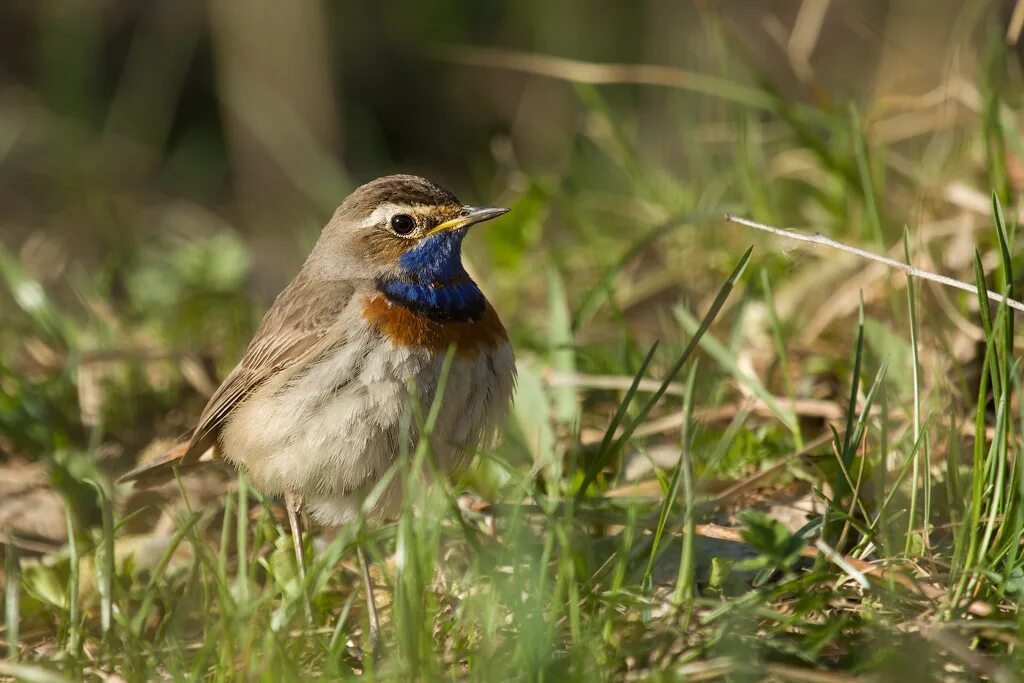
<point x="405" y="233"/>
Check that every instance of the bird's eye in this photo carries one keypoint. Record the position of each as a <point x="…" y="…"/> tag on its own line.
<point x="402" y="224"/>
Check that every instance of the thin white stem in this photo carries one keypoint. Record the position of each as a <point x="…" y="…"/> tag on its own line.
<point x="911" y="271"/>
<point x="841" y="562"/>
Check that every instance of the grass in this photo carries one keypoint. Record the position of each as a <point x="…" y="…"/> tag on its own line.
<point x="790" y="469"/>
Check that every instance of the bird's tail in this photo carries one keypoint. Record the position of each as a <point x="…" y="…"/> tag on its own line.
<point x="161" y="468"/>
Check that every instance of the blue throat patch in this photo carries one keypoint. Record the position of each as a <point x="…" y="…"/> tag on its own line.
<point x="435" y="284"/>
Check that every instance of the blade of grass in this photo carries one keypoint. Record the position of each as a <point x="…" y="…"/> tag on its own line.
<point x="879" y="515"/>
<point x="984" y="313"/>
<point x="687" y="560"/>
<point x="727" y="359"/>
<point x="627" y="433"/>
<point x="1006" y="270"/>
<point x="851" y="406"/>
<point x="916" y="422"/>
<point x="955" y="491"/>
<point x="669" y="498"/>
<point x="141" y="615"/>
<point x="561" y="347"/>
<point x="861" y="427"/>
<point x="242" y="576"/>
<point x="225" y="540"/>
<point x="105" y="560"/>
<point x="751" y="166"/>
<point x="337" y="642"/>
<point x="783" y="356"/>
<point x="721" y="449"/>
<point x="992" y="130"/>
<point x="30" y="673"/>
<point x="867" y="185"/>
<point x="12" y="600"/>
<point x="74" y="583"/>
<point x="846" y="445"/>
<point x="966" y="549"/>
<point x="999" y="456"/>
<point x="604" y="449"/>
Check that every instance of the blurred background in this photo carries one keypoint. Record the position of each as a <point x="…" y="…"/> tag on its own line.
<point x="165" y="167"/>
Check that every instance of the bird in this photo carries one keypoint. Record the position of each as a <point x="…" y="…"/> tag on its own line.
<point x="313" y="412"/>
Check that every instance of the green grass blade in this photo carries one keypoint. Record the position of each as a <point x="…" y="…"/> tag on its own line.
<point x="687" y="560"/>
<point x="242" y="578"/>
<point x="867" y="185"/>
<point x="915" y="370"/>
<point x="1005" y="260"/>
<point x="669" y="498"/>
<point x="12" y="600"/>
<point x="105" y="560"/>
<point x="604" y="451"/>
<point x="851" y="406"/>
<point x="561" y="347"/>
<point x="727" y="359"/>
<point x="783" y="356"/>
<point x="74" y="633"/>
<point x="627" y="432"/>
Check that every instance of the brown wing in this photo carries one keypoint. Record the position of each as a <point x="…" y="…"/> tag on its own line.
<point x="292" y="330"/>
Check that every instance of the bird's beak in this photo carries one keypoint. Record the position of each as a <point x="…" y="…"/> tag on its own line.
<point x="470" y="215"/>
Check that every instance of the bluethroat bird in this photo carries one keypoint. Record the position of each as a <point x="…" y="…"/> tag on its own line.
<point x="312" y="412"/>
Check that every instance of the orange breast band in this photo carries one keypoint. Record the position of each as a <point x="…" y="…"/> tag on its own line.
<point x="403" y="327"/>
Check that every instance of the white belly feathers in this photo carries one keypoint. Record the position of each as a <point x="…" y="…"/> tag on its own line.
<point x="332" y="432"/>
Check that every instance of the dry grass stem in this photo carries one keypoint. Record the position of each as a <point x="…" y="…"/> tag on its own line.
<point x="909" y="270"/>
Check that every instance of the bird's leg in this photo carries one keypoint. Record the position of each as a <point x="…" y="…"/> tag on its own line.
<point x="371" y="604"/>
<point x="293" y="504"/>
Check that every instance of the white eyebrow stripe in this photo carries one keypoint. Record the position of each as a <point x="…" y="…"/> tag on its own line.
<point x="388" y="209"/>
